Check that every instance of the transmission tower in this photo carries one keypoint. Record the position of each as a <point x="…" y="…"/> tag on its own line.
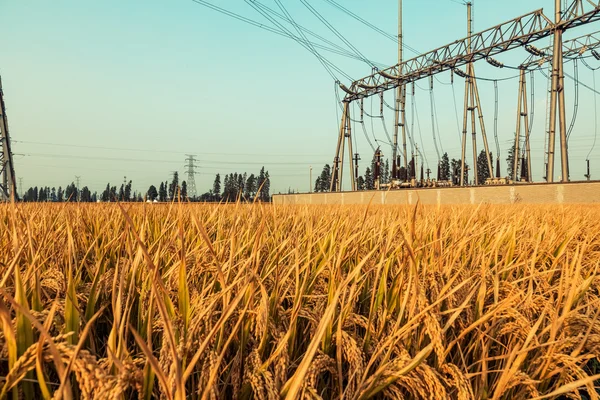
<point x="8" y="184"/>
<point x="191" y="181"/>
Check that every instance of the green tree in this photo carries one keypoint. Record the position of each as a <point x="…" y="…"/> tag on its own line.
<point x="369" y="179"/>
<point x="174" y="186"/>
<point x="60" y="194"/>
<point x="216" y="190"/>
<point x="250" y="188"/>
<point x="444" y="168"/>
<point x="483" y="170"/>
<point x="360" y="183"/>
<point x="323" y="181"/>
<point x="162" y="192"/>
<point x="152" y="193"/>
<point x="127" y="192"/>
<point x="184" y="196"/>
<point x="86" y="195"/>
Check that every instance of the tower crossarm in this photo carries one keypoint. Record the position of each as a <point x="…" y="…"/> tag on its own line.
<point x="515" y="33"/>
<point x="571" y="48"/>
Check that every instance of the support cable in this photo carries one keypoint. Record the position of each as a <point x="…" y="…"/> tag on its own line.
<point x="576" y="101"/>
<point x="437" y="122"/>
<point x="532" y="108"/>
<point x="456" y="114"/>
<point x="595" y="117"/>
<point x="496" y="119"/>
<point x="431" y="105"/>
<point x="423" y="156"/>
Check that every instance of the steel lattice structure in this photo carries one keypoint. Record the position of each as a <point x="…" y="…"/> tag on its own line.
<point x="8" y="185"/>
<point x="517" y="32"/>
<point x="509" y="35"/>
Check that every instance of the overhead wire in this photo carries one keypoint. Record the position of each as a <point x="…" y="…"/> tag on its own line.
<point x="432" y="109"/>
<point x="336" y="49"/>
<point x="595" y="117"/>
<point x="335" y="31"/>
<point x="496" y="119"/>
<point x="576" y="101"/>
<point x="328" y="65"/>
<point x="370" y="25"/>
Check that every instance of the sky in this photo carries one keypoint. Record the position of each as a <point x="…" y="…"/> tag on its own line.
<point x="116" y="90"/>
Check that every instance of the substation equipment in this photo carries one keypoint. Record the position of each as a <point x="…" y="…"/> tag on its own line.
<point x="519" y="32"/>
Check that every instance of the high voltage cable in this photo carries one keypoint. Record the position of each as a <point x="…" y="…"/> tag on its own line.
<point x="335" y="32"/>
<point x="328" y="65"/>
<point x="595" y="116"/>
<point x="337" y="50"/>
<point x="370" y="25"/>
<point x="48" y="155"/>
<point x="163" y="151"/>
<point x="496" y="119"/>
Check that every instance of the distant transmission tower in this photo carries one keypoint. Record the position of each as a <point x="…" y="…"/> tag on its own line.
<point x="191" y="181"/>
<point x="8" y="181"/>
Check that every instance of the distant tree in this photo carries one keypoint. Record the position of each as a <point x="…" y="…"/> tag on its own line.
<point x="127" y="192"/>
<point x="455" y="166"/>
<point x="113" y="194"/>
<point x="86" y="195"/>
<point x="53" y="194"/>
<point x="444" y="168"/>
<point x="401" y="172"/>
<point x="122" y="192"/>
<point x="184" y="196"/>
<point x="360" y="183"/>
<point x="483" y="170"/>
<point x="152" y="193"/>
<point x="42" y="195"/>
<point x="139" y="198"/>
<point x="60" y="194"/>
<point x="385" y="173"/>
<point x="105" y="195"/>
<point x="71" y="192"/>
<point x="264" y="186"/>
<point x="35" y="194"/>
<point x="162" y="192"/>
<point x="250" y="187"/>
<point x="174" y="186"/>
<point x="95" y="197"/>
<point x="216" y="190"/>
<point x="369" y="179"/>
<point x="323" y="182"/>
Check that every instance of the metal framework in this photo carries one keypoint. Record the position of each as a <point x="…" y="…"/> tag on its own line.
<point x="522" y="114"/>
<point x="571" y="48"/>
<point x="472" y="106"/>
<point x="509" y="35"/>
<point x="8" y="185"/>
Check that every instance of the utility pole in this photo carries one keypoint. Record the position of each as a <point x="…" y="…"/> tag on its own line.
<point x="557" y="103"/>
<point x="522" y="114"/>
<point x="191" y="172"/>
<point x="400" y="109"/>
<point x="472" y="104"/>
<point x="345" y="135"/>
<point x="8" y="185"/>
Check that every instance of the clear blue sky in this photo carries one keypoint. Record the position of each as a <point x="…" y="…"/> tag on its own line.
<point x="125" y="88"/>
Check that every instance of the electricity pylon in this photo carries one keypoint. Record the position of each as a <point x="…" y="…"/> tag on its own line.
<point x="8" y="184"/>
<point x="191" y="181"/>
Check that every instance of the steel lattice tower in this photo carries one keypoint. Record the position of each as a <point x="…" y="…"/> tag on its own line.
<point x="8" y="184"/>
<point x="191" y="181"/>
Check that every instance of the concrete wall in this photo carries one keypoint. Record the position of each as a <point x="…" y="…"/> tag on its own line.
<point x="557" y="193"/>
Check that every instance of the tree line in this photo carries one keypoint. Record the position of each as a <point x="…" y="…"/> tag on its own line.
<point x="236" y="186"/>
<point x="449" y="170"/>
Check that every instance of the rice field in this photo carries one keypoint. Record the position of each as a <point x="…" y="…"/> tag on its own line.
<point x="188" y="301"/>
